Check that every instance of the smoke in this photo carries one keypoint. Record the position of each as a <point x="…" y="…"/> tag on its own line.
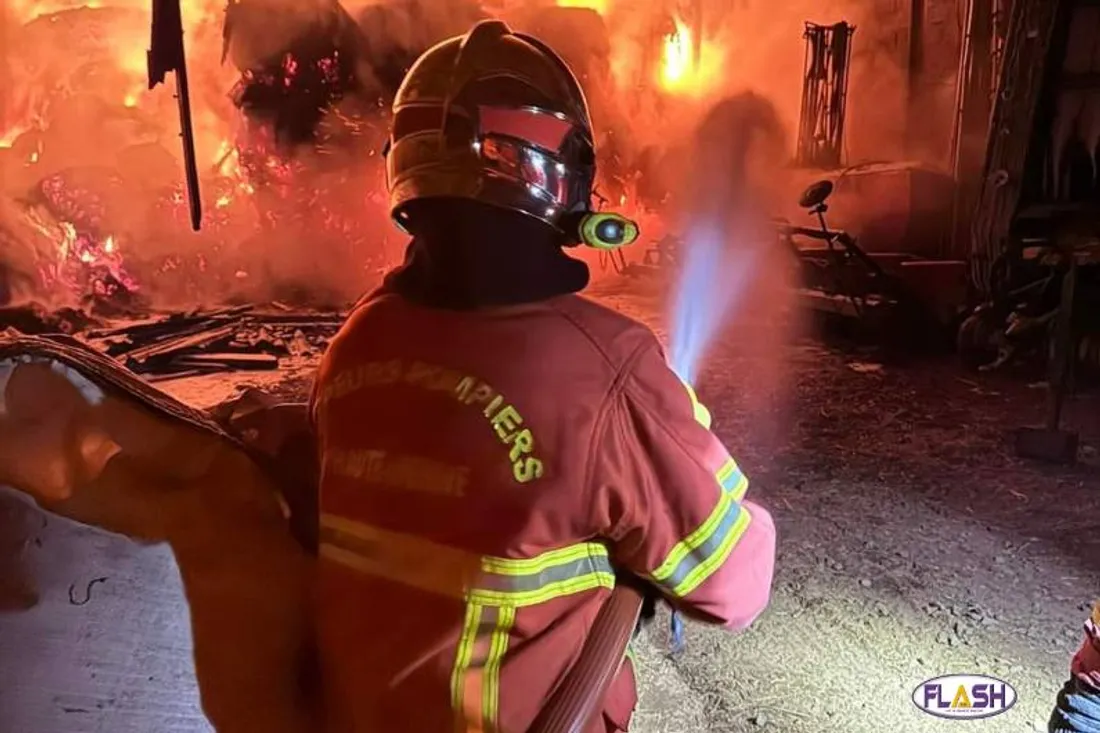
<point x="735" y="155"/>
<point x="397" y="31"/>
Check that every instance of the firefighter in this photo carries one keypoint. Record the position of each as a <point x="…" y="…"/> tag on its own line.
<point x="1078" y="706"/>
<point x="494" y="448"/>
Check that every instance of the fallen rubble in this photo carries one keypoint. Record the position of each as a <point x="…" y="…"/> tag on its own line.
<point x="177" y="345"/>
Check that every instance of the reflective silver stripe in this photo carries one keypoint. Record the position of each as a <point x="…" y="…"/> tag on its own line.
<point x="441" y="569"/>
<point x="704" y="558"/>
<point x="552" y="574"/>
<point x="732" y="480"/>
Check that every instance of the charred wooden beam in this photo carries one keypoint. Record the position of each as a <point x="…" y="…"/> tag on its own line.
<point x="145" y="332"/>
<point x="179" y="345"/>
<point x="228" y="362"/>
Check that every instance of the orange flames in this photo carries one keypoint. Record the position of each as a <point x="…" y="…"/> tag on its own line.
<point x="678" y="57"/>
<point x="646" y="58"/>
<point x="686" y="69"/>
<point x="84" y="257"/>
<point x="689" y="66"/>
<point x="600" y="6"/>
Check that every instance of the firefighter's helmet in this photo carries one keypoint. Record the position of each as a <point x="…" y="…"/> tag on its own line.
<point x="498" y="117"/>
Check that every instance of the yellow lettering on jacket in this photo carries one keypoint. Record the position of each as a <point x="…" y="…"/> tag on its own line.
<point x="431" y="377"/>
<point x="507" y="423"/>
<point x="362" y="376"/>
<point x="503" y="418"/>
<point x="397" y="471"/>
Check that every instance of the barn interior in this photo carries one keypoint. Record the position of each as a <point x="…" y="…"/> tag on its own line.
<point x="869" y="230"/>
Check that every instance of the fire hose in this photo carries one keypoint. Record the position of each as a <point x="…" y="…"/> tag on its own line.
<point x="580" y="696"/>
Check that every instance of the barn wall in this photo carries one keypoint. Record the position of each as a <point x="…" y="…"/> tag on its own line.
<point x="932" y="98"/>
<point x="902" y="87"/>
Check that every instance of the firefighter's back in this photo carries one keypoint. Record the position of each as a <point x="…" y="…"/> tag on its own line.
<point x="460" y="547"/>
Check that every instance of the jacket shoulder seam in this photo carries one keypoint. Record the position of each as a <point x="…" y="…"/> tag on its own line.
<point x="600" y="423"/>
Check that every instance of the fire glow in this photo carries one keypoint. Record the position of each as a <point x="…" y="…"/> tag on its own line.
<point x="600" y="6"/>
<point x="678" y="62"/>
<point x="81" y="107"/>
<point x="689" y="65"/>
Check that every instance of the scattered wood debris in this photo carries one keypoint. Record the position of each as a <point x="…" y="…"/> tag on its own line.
<point x="238" y="338"/>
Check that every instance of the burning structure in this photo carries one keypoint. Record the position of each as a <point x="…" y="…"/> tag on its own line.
<point x="290" y="102"/>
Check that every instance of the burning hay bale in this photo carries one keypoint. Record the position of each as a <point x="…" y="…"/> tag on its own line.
<point x="297" y="61"/>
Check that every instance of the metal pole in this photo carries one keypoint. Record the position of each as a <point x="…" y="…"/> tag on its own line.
<point x="1062" y="347"/>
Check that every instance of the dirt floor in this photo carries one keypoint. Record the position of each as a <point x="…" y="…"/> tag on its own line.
<point x="912" y="544"/>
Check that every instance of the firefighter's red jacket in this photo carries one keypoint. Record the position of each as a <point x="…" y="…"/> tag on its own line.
<point x="1086" y="663"/>
<point x="483" y="473"/>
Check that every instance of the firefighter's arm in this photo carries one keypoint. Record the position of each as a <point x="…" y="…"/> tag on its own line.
<point x="673" y="499"/>
<point x="1077" y="709"/>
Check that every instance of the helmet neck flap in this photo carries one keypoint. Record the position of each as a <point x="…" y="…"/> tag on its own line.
<point x="469" y="254"/>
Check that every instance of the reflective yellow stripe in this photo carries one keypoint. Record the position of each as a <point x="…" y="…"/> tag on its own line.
<point x="493" y="588"/>
<point x="686" y="546"/>
<point x="732" y="480"/>
<point x="695" y="558"/>
<point x="498" y="646"/>
<point x="475" y="678"/>
<point x="714" y="561"/>
<point x="463" y="656"/>
<point x="448" y="571"/>
<point x="525" y="566"/>
<point x="441" y="569"/>
<point x="426" y="566"/>
<point x="699" y="410"/>
<point x="559" y="589"/>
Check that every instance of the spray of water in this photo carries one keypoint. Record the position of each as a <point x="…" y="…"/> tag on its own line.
<point x="711" y="282"/>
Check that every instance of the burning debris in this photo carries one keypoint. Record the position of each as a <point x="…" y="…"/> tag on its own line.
<point x="229" y="339"/>
<point x="239" y="338"/>
<point x="104" y="225"/>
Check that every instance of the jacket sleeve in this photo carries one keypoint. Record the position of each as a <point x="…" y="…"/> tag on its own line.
<point x="672" y="499"/>
<point x="1077" y="707"/>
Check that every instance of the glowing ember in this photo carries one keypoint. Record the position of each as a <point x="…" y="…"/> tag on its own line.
<point x="86" y="264"/>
